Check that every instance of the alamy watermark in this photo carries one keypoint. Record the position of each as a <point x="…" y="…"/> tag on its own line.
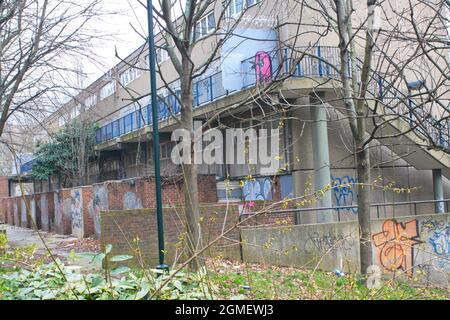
<point x="231" y="146"/>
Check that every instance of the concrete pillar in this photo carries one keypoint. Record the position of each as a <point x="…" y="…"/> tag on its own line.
<point x="322" y="175"/>
<point x="302" y="157"/>
<point x="438" y="191"/>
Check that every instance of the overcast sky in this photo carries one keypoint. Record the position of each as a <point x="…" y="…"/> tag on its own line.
<point x="124" y="38"/>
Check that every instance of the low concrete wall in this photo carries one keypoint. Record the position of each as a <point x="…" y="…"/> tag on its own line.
<point x="414" y="245"/>
<point x="329" y="245"/>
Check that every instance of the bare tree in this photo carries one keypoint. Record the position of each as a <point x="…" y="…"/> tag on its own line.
<point x="38" y="41"/>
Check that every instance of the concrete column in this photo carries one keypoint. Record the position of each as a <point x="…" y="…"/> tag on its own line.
<point x="302" y="156"/>
<point x="438" y="191"/>
<point x="322" y="175"/>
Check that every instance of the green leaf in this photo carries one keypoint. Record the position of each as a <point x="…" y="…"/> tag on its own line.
<point x="99" y="258"/>
<point x="108" y="248"/>
<point x="119" y="270"/>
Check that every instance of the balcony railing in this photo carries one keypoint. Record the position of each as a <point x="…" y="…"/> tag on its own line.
<point x="309" y="62"/>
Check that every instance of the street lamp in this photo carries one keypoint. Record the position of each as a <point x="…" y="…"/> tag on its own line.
<point x="156" y="156"/>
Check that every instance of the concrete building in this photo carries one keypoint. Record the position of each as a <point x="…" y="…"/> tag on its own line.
<point x="316" y="144"/>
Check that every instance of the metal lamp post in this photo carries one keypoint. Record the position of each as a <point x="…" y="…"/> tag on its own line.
<point x="156" y="155"/>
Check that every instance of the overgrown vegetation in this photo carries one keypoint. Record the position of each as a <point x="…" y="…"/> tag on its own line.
<point x="24" y="276"/>
<point x="66" y="154"/>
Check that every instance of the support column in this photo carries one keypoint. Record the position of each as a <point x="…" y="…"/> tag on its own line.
<point x="322" y="175"/>
<point x="302" y="157"/>
<point x="438" y="191"/>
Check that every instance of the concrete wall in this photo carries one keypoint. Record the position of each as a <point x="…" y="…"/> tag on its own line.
<point x="329" y="245"/>
<point x="408" y="246"/>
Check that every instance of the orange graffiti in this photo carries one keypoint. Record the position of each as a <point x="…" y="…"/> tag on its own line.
<point x="395" y="244"/>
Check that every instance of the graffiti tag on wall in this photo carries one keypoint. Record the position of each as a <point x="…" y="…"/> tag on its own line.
<point x="76" y="210"/>
<point x="395" y="245"/>
<point x="343" y="192"/>
<point x="439" y="239"/>
<point x="259" y="189"/>
<point x="263" y="66"/>
<point x="328" y="242"/>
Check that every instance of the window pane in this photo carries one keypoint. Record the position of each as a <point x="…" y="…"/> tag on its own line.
<point x="239" y="6"/>
<point x="211" y="24"/>
<point x="203" y="31"/>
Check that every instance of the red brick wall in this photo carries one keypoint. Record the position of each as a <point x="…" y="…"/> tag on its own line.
<point x="3" y="209"/>
<point x="4" y="187"/>
<point x="17" y="209"/>
<point x="121" y="228"/>
<point x="63" y="218"/>
<point x="140" y="192"/>
<point x="88" y="219"/>
<point x="46" y="205"/>
<point x="10" y="212"/>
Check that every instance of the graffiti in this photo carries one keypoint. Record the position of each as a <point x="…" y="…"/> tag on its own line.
<point x="439" y="239"/>
<point x="328" y="242"/>
<point x="131" y="201"/>
<point x="395" y="244"/>
<point x="45" y="223"/>
<point x="343" y="192"/>
<point x="259" y="189"/>
<point x="76" y="210"/>
<point x="263" y="66"/>
<point x="99" y="203"/>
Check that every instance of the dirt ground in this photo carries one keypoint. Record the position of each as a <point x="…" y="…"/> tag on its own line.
<point x="59" y="245"/>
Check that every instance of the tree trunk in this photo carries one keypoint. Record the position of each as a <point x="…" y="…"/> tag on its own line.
<point x="364" y="200"/>
<point x="190" y="187"/>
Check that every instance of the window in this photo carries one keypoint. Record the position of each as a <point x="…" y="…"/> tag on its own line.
<point x="205" y="25"/>
<point x="90" y="102"/>
<point x="235" y="7"/>
<point x="75" y="111"/>
<point x="107" y="90"/>
<point x="129" y="76"/>
<point x="61" y="121"/>
<point x="161" y="55"/>
<point x="166" y="150"/>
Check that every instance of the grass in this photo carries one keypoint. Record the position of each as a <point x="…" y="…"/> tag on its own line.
<point x="257" y="282"/>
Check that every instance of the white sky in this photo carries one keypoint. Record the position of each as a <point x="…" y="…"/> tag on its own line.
<point x="124" y="38"/>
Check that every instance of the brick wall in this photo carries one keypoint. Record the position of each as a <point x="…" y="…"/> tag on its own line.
<point x="54" y="211"/>
<point x="46" y="207"/>
<point x="10" y="211"/>
<point x="88" y="215"/>
<point x="140" y="192"/>
<point x="3" y="209"/>
<point x="121" y="228"/>
<point x="134" y="232"/>
<point x="4" y="187"/>
<point x="63" y="216"/>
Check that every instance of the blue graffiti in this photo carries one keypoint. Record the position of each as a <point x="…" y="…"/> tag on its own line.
<point x="259" y="189"/>
<point x="343" y="192"/>
<point x="440" y="241"/>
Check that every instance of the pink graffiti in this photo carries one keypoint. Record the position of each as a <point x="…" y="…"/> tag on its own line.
<point x="263" y="66"/>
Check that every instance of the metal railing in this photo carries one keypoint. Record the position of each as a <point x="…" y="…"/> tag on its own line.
<point x="318" y="61"/>
<point x="204" y="91"/>
<point x="413" y="206"/>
